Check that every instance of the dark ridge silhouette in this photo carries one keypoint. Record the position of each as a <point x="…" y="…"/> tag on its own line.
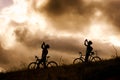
<point x="103" y="70"/>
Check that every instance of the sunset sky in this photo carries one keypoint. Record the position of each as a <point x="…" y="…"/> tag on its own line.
<point x="63" y="24"/>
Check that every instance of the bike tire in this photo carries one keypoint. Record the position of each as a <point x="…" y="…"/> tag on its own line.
<point x="77" y="60"/>
<point x="52" y="64"/>
<point x="32" y="65"/>
<point x="96" y="58"/>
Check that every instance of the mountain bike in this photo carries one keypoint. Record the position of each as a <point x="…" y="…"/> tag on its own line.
<point x="93" y="58"/>
<point x="36" y="64"/>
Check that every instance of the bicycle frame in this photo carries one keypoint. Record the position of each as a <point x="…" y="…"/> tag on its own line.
<point x="37" y="59"/>
<point x="92" y="55"/>
<point x="38" y="64"/>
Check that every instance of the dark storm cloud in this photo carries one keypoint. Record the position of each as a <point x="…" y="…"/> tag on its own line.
<point x="112" y="11"/>
<point x="77" y="7"/>
<point x="68" y="45"/>
<point x="58" y="7"/>
<point x="75" y="15"/>
<point x="58" y="44"/>
<point x="68" y="15"/>
<point x="25" y="37"/>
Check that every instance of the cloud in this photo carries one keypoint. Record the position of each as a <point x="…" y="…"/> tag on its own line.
<point x="25" y="37"/>
<point x="75" y="16"/>
<point x="4" y="56"/>
<point x="58" y="7"/>
<point x="67" y="15"/>
<point x="64" y="44"/>
<point x="112" y="11"/>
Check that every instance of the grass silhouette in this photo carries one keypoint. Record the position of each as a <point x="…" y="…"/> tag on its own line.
<point x="103" y="70"/>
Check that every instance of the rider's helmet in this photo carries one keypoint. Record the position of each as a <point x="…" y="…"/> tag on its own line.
<point x="90" y="42"/>
<point x="47" y="46"/>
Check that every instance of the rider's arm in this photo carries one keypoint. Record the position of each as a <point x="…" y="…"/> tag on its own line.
<point x="43" y="45"/>
<point x="86" y="42"/>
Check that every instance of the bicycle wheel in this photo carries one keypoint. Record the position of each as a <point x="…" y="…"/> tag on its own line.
<point x="32" y="65"/>
<point x="77" y="60"/>
<point x="96" y="58"/>
<point x="52" y="64"/>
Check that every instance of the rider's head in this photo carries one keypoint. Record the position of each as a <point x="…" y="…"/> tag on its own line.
<point x="47" y="46"/>
<point x="90" y="42"/>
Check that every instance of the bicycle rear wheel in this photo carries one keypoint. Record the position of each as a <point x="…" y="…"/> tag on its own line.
<point x="77" y="60"/>
<point x="32" y="65"/>
<point x="52" y="64"/>
<point x="96" y="58"/>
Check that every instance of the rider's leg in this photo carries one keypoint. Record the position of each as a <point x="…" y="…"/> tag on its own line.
<point x="44" y="63"/>
<point x="86" y="57"/>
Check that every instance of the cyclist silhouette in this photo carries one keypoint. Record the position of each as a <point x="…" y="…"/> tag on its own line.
<point x="44" y="53"/>
<point x="88" y="49"/>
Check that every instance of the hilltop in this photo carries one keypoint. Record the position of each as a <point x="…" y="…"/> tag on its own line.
<point x="104" y="70"/>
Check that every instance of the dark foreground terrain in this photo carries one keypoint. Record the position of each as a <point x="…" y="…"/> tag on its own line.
<point x="104" y="70"/>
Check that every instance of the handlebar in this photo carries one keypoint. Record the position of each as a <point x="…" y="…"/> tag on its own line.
<point x="38" y="57"/>
<point x="48" y="56"/>
<point x="80" y="52"/>
<point x="92" y="53"/>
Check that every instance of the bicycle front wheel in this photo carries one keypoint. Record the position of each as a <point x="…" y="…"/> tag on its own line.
<point x="52" y="64"/>
<point x="32" y="65"/>
<point x="96" y="58"/>
<point x="77" y="60"/>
